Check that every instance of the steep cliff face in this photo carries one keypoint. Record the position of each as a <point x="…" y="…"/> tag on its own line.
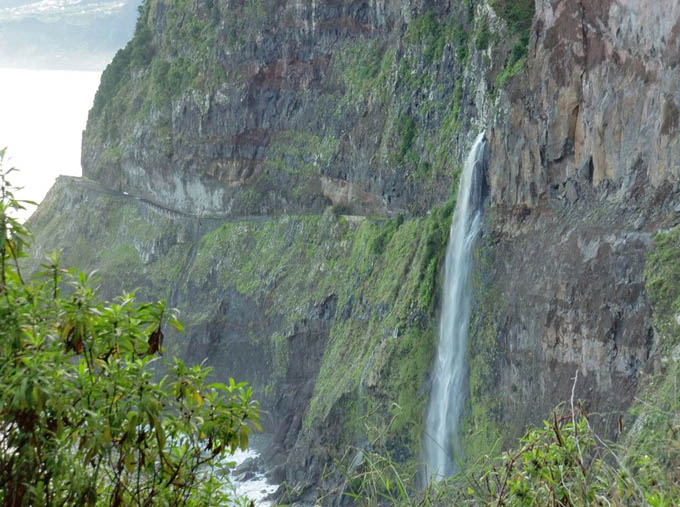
<point x="221" y="118"/>
<point x="583" y="173"/>
<point x="218" y="121"/>
<point x="268" y="106"/>
<point x="599" y="99"/>
<point x="251" y="160"/>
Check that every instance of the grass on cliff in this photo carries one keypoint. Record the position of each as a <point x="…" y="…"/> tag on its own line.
<point x="519" y="15"/>
<point x="655" y="416"/>
<point x="564" y="462"/>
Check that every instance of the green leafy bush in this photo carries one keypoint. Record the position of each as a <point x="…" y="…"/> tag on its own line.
<point x="83" y="418"/>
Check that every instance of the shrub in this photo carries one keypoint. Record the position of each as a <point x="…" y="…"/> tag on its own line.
<point x="518" y="14"/>
<point x="483" y="36"/>
<point x="83" y="420"/>
<point x="563" y="463"/>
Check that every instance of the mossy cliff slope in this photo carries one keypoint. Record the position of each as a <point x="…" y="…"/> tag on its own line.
<point x="330" y="318"/>
<point x="220" y="140"/>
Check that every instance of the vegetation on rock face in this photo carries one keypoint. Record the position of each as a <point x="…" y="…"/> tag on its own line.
<point x="391" y="84"/>
<point x="563" y="463"/>
<point x="82" y="419"/>
<point x="383" y="274"/>
<point x="663" y="276"/>
<point x="655" y="415"/>
<point x="482" y="434"/>
<point x="137" y="53"/>
<point x="518" y="14"/>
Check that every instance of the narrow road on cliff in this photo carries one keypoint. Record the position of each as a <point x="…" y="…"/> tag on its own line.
<point x="98" y="187"/>
<point x="216" y="218"/>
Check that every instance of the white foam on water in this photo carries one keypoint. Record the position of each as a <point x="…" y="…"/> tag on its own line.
<point x="257" y="488"/>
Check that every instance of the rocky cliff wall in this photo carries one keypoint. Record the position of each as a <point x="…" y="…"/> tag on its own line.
<point x="598" y="100"/>
<point x="267" y="106"/>
<point x="583" y="173"/>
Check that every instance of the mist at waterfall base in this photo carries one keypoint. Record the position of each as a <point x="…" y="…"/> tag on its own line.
<point x="42" y="117"/>
<point x="441" y="445"/>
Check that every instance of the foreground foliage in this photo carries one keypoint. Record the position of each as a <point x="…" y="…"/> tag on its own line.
<point x="83" y="418"/>
<point x="564" y="463"/>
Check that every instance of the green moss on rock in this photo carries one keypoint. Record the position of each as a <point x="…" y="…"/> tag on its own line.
<point x="662" y="274"/>
<point x="482" y="435"/>
<point x="654" y="419"/>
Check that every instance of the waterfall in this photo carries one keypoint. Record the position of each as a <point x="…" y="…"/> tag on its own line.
<point x="441" y="444"/>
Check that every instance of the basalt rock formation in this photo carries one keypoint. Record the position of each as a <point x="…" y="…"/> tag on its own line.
<point x="582" y="175"/>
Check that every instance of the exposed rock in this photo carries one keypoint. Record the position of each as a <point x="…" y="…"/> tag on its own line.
<point x="248" y="466"/>
<point x="600" y="88"/>
<point x="293" y="106"/>
<point x="277" y="474"/>
<point x="583" y="163"/>
<point x="572" y="192"/>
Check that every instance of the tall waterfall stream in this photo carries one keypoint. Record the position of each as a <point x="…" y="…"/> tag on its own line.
<point x="441" y="445"/>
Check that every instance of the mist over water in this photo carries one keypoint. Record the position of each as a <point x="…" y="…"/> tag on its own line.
<point x="42" y="116"/>
<point x="441" y="444"/>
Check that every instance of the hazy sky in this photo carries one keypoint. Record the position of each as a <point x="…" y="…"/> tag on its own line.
<point x="42" y="116"/>
<point x="43" y="112"/>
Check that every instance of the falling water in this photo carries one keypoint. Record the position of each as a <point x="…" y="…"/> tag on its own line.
<point x="441" y="445"/>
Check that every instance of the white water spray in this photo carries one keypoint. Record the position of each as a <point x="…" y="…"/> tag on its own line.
<point x="441" y="444"/>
